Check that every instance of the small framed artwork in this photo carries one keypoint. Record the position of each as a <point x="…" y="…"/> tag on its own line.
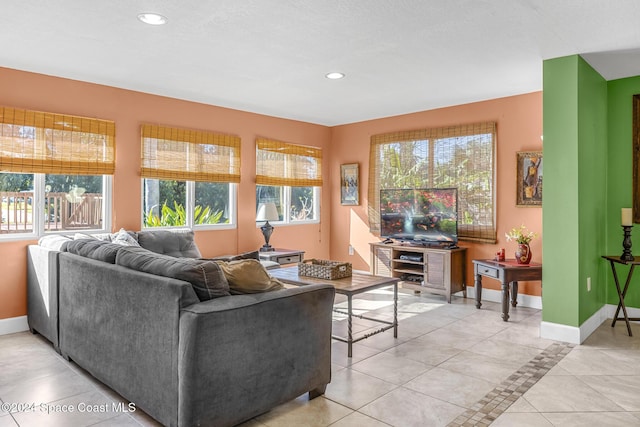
<point x="349" y="184"/>
<point x="529" y="184"/>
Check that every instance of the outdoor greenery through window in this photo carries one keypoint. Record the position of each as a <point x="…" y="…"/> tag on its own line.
<point x="294" y="204"/>
<point x="56" y="172"/>
<point x="166" y="203"/>
<point x="188" y="177"/>
<point x="458" y="156"/>
<point x="290" y="176"/>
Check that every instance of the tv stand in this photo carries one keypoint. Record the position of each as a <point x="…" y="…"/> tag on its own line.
<point x="426" y="244"/>
<point x="438" y="270"/>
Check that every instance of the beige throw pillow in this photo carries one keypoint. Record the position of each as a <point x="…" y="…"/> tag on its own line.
<point x="248" y="276"/>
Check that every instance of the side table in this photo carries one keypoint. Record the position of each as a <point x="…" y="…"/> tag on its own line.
<point x="508" y="272"/>
<point x="613" y="260"/>
<point x="283" y="256"/>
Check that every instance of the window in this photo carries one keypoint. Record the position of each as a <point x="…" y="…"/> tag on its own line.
<point x="56" y="172"/>
<point x="189" y="178"/>
<point x="301" y="203"/>
<point x="459" y="156"/>
<point x="290" y="176"/>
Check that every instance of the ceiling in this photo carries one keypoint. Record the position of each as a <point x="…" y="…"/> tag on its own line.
<point x="271" y="56"/>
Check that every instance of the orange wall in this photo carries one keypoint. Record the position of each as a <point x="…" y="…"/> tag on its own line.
<point x="129" y="109"/>
<point x="519" y="128"/>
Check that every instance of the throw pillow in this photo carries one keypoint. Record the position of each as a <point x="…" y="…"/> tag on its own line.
<point x="205" y="277"/>
<point x="123" y="238"/>
<point x="248" y="276"/>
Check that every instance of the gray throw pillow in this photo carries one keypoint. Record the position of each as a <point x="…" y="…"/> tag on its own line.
<point x="176" y="243"/>
<point x="206" y="277"/>
<point x="100" y="250"/>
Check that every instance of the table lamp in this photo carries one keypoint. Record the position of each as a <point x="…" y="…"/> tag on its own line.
<point x="267" y="212"/>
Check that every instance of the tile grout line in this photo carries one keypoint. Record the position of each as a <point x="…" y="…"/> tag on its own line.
<point x="498" y="400"/>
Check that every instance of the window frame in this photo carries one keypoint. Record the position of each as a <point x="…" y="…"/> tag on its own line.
<point x="190" y="192"/>
<point x="38" y="204"/>
<point x="280" y="164"/>
<point x="466" y="232"/>
<point x="286" y="205"/>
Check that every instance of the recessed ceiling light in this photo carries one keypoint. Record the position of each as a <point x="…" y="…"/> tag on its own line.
<point x="152" y="18"/>
<point x="334" y="75"/>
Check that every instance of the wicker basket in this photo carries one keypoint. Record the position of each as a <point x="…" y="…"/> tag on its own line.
<point x="323" y="269"/>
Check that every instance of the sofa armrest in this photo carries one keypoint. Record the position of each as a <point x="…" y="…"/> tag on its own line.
<point x="42" y="292"/>
<point x="242" y="355"/>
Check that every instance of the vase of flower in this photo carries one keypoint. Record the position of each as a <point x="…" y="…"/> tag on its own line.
<point x="523" y="237"/>
<point x="523" y="253"/>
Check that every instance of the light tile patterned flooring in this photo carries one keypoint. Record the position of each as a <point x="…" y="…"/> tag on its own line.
<point x="451" y="365"/>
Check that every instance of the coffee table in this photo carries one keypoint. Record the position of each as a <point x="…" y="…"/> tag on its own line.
<point x="349" y="286"/>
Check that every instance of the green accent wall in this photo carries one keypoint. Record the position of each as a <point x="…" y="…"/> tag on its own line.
<point x="592" y="189"/>
<point x="575" y="188"/>
<point x="619" y="185"/>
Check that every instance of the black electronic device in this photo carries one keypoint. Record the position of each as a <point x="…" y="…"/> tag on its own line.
<point x="423" y="216"/>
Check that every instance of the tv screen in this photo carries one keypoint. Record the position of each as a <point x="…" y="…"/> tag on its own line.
<point x="426" y="215"/>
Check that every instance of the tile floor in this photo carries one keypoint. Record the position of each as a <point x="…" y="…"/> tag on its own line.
<point x="452" y="365"/>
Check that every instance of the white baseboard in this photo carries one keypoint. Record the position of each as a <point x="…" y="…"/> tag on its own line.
<point x="13" y="325"/>
<point x="574" y="334"/>
<point x="494" y="295"/>
<point x="631" y="311"/>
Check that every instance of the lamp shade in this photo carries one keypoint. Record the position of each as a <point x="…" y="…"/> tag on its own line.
<point x="267" y="212"/>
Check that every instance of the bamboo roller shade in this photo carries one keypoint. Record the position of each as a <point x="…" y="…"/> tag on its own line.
<point x="281" y="163"/>
<point x="40" y="142"/>
<point x="189" y="155"/>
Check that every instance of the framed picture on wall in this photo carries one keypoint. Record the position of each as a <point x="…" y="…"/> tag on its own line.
<point x="529" y="184"/>
<point x="349" y="184"/>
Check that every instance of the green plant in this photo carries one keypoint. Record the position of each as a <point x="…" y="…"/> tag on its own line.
<point x="206" y="215"/>
<point x="177" y="216"/>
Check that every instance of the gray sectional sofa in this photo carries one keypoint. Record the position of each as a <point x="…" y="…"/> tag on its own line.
<point x="159" y="342"/>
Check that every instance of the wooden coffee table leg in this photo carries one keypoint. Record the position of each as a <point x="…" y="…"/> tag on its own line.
<point x="395" y="310"/>
<point x="349" y="327"/>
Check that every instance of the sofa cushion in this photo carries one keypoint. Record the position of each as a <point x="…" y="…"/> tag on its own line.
<point x="80" y="236"/>
<point x="206" y="277"/>
<point x="244" y="255"/>
<point x="248" y="276"/>
<point x="100" y="250"/>
<point x="176" y="243"/>
<point x="55" y="242"/>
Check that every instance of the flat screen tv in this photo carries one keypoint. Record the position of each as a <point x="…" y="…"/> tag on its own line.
<point x="422" y="215"/>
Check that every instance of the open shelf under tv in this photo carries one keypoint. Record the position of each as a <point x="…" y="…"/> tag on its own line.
<point x="435" y="270"/>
